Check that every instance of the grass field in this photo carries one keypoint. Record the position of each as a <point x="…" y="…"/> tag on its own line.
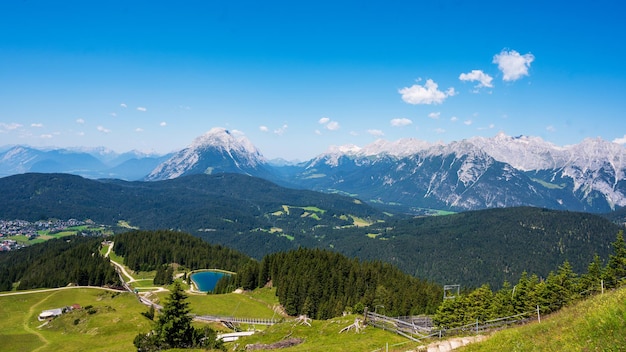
<point x="596" y="324"/>
<point x="114" y="321"/>
<point x="110" y="324"/>
<point x="257" y="305"/>
<point x="324" y="336"/>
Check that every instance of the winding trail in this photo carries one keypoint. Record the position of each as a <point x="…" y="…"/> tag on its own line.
<point x="121" y="267"/>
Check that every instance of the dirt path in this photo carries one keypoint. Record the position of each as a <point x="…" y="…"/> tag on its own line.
<point x="30" y="316"/>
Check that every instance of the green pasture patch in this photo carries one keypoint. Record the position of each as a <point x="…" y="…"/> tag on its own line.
<point x="373" y="235"/>
<point x="230" y="304"/>
<point x="116" y="258"/>
<point x="265" y="295"/>
<point x="143" y="283"/>
<point x="289" y="237"/>
<point x="307" y="214"/>
<point x="110" y="324"/>
<point x="126" y="224"/>
<point x="314" y="209"/>
<point x="360" y="222"/>
<point x="21" y="239"/>
<point x="323" y="335"/>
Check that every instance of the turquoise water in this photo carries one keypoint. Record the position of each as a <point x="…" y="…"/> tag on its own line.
<point x="205" y="280"/>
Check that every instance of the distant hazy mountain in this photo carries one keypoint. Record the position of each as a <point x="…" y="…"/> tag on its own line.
<point x="87" y="162"/>
<point x="217" y="151"/>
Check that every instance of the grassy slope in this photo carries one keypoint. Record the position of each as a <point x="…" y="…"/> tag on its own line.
<point x="324" y="336"/>
<point x="596" y="324"/>
<point x="112" y="327"/>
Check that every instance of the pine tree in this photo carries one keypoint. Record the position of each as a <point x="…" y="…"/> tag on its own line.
<point x="173" y="328"/>
<point x="616" y="268"/>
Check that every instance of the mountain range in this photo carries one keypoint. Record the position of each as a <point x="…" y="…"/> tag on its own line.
<point x="407" y="175"/>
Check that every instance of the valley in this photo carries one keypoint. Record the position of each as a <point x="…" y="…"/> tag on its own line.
<point x="367" y="240"/>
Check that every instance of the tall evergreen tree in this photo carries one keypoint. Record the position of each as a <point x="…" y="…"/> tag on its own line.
<point x="616" y="268"/>
<point x="173" y="328"/>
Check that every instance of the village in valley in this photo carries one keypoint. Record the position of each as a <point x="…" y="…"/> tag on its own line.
<point x="16" y="234"/>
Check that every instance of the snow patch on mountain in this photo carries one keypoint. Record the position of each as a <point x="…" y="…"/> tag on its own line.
<point x="218" y="142"/>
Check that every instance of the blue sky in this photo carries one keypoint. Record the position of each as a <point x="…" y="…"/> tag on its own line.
<point x="298" y="76"/>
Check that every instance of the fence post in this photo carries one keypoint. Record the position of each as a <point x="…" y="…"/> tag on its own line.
<point x="602" y="284"/>
<point x="477" y="326"/>
<point x="538" y="315"/>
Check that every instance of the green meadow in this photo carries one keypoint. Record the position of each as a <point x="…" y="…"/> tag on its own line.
<point x="595" y="324"/>
<point x="110" y="324"/>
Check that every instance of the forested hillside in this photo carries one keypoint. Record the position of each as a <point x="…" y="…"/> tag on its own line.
<point x="57" y="263"/>
<point x="257" y="218"/>
<point x="323" y="284"/>
<point x="149" y="250"/>
<point x="487" y="246"/>
<point x="532" y="295"/>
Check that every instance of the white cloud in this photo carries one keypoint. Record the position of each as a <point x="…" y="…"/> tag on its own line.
<point x="318" y="132"/>
<point x="329" y="125"/>
<point x="440" y="130"/>
<point x="138" y="129"/>
<point x="263" y="128"/>
<point x="114" y="114"/>
<point x="123" y="105"/>
<point x="429" y="93"/>
<point x="163" y="124"/>
<point x="468" y="122"/>
<point x="550" y="128"/>
<point x="5" y="127"/>
<point x="332" y="126"/>
<point x="620" y="140"/>
<point x="103" y="130"/>
<point x="354" y="133"/>
<point x="81" y="133"/>
<point x="454" y="119"/>
<point x="376" y="132"/>
<point x="281" y="130"/>
<point x="45" y="136"/>
<point x="80" y="121"/>
<point x="483" y="79"/>
<point x="513" y="65"/>
<point x="142" y="109"/>
<point x="38" y="125"/>
<point x="400" y="122"/>
<point x="434" y="115"/>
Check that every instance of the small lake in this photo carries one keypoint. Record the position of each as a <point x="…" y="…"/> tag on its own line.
<point x="205" y="280"/>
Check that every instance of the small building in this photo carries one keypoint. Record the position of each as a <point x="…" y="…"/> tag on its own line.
<point x="51" y="313"/>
